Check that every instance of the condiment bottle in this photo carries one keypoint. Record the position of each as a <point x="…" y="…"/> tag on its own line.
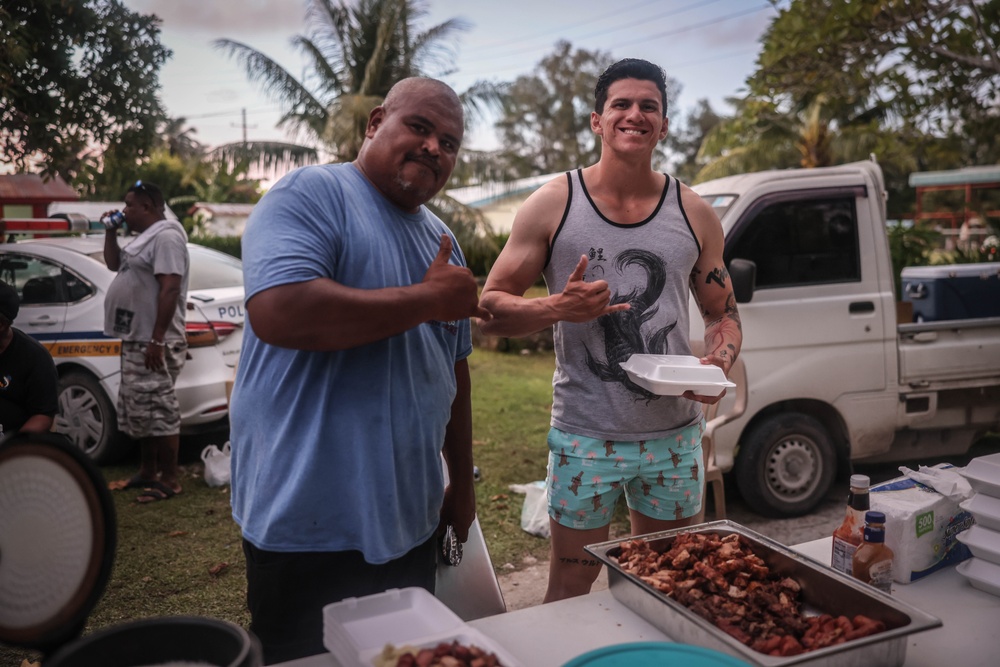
<point x="847" y="538"/>
<point x="872" y="562"/>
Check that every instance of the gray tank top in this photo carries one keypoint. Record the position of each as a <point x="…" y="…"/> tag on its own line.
<point x="647" y="264"/>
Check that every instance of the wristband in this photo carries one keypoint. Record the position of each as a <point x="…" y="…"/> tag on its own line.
<point x="158" y="343"/>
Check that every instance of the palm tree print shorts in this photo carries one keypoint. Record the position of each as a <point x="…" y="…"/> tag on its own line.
<point x="661" y="478"/>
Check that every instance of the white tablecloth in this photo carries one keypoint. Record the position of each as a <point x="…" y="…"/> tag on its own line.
<point x="552" y="634"/>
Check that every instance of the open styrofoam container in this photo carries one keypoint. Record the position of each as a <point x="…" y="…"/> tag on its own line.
<point x="982" y="574"/>
<point x="673" y="374"/>
<point x="984" y="509"/>
<point x="982" y="542"/>
<point x="356" y="630"/>
<point x="983" y="473"/>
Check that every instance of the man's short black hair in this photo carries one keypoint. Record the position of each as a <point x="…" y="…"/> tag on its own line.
<point x="630" y="68"/>
<point x="151" y="192"/>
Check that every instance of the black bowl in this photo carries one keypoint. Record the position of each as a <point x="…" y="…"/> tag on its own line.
<point x="162" y="640"/>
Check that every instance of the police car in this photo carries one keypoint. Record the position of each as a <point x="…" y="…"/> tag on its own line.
<point x="62" y="281"/>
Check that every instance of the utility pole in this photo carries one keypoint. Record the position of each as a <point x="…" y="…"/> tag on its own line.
<point x="243" y="113"/>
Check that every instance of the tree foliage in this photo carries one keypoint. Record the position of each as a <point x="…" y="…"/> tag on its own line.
<point x="356" y="52"/>
<point x="76" y="76"/>
<point x="930" y="64"/>
<point x="179" y="140"/>
<point x="545" y="122"/>
<point x="685" y="139"/>
<point x="914" y="82"/>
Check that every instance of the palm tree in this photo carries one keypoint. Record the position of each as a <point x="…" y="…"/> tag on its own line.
<point x="179" y="140"/>
<point x="761" y="137"/>
<point x="357" y="51"/>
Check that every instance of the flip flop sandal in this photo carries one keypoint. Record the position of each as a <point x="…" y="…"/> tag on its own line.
<point x="155" y="492"/>
<point x="133" y="482"/>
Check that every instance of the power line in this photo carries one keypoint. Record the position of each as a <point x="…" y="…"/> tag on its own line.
<point x="563" y="28"/>
<point x="694" y="26"/>
<point x="604" y="31"/>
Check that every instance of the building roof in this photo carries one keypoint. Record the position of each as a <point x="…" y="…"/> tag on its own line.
<point x="222" y="209"/>
<point x="476" y="196"/>
<point x="966" y="176"/>
<point x="33" y="188"/>
<point x="93" y="210"/>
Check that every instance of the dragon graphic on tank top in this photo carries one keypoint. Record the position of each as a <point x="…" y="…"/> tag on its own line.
<point x="623" y="331"/>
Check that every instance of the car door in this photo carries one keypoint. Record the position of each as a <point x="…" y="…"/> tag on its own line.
<point x="815" y="312"/>
<point x="42" y="286"/>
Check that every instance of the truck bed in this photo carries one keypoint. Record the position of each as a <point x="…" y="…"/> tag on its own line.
<point x="949" y="355"/>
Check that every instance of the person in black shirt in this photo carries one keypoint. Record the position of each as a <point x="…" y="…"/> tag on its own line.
<point x="28" y="379"/>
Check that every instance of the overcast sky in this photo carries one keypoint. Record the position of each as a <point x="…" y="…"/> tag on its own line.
<point x="710" y="46"/>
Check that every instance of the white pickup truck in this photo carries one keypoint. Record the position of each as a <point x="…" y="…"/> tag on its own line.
<point x="832" y="377"/>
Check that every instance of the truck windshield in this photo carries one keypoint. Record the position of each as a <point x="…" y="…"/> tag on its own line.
<point x="720" y="203"/>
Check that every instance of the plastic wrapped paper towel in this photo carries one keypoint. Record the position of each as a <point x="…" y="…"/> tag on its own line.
<point x="923" y="518"/>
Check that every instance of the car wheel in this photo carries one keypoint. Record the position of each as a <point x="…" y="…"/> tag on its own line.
<point x="88" y="419"/>
<point x="786" y="465"/>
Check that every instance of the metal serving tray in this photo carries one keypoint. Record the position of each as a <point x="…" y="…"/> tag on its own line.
<point x="824" y="590"/>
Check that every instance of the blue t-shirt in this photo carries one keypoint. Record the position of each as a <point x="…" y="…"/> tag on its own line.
<point x="337" y="451"/>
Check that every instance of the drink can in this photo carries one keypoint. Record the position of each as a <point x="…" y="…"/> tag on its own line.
<point x="113" y="220"/>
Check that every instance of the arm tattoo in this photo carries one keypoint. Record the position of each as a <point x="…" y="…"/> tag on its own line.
<point x="718" y="275"/>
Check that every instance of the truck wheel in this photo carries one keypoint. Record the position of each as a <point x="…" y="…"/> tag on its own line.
<point x="87" y="417"/>
<point x="786" y="465"/>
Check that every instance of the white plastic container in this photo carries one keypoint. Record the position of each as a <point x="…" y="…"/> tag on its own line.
<point x="982" y="574"/>
<point x="982" y="542"/>
<point x="672" y="375"/>
<point x="357" y="630"/>
<point x="985" y="509"/>
<point x="983" y="473"/>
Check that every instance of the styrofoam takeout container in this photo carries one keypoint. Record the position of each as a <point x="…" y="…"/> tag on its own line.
<point x="982" y="542"/>
<point x="672" y="374"/>
<point x="357" y="630"/>
<point x="983" y="473"/>
<point x="982" y="574"/>
<point x="985" y="509"/>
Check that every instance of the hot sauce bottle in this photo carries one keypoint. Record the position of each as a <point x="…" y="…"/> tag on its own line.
<point x="848" y="536"/>
<point x="873" y="560"/>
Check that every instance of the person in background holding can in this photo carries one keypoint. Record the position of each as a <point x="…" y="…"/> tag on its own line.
<point x="145" y="308"/>
<point x="622" y="248"/>
<point x="28" y="378"/>
<point x="353" y="379"/>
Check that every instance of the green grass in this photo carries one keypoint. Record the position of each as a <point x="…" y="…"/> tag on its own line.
<point x="511" y="399"/>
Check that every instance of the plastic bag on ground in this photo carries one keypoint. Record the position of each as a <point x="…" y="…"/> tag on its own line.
<point x="535" y="511"/>
<point x="217" y="472"/>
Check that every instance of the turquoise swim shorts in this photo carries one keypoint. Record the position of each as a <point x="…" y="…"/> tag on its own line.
<point x="661" y="478"/>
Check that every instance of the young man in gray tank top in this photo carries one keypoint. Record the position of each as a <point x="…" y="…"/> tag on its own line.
<point x="621" y="247"/>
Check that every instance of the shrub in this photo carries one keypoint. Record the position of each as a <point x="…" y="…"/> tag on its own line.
<point x="227" y="244"/>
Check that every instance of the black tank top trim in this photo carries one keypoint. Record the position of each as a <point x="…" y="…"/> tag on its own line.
<point x="569" y="200"/>
<point x="659" y="204"/>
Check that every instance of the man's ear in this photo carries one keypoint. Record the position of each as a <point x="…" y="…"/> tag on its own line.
<point x="375" y="118"/>
<point x="663" y="130"/>
<point x="595" y="122"/>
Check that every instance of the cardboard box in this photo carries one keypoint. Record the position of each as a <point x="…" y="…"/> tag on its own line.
<point x="920" y="527"/>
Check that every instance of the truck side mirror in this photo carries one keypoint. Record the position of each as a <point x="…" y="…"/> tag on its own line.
<point x="743" y="274"/>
